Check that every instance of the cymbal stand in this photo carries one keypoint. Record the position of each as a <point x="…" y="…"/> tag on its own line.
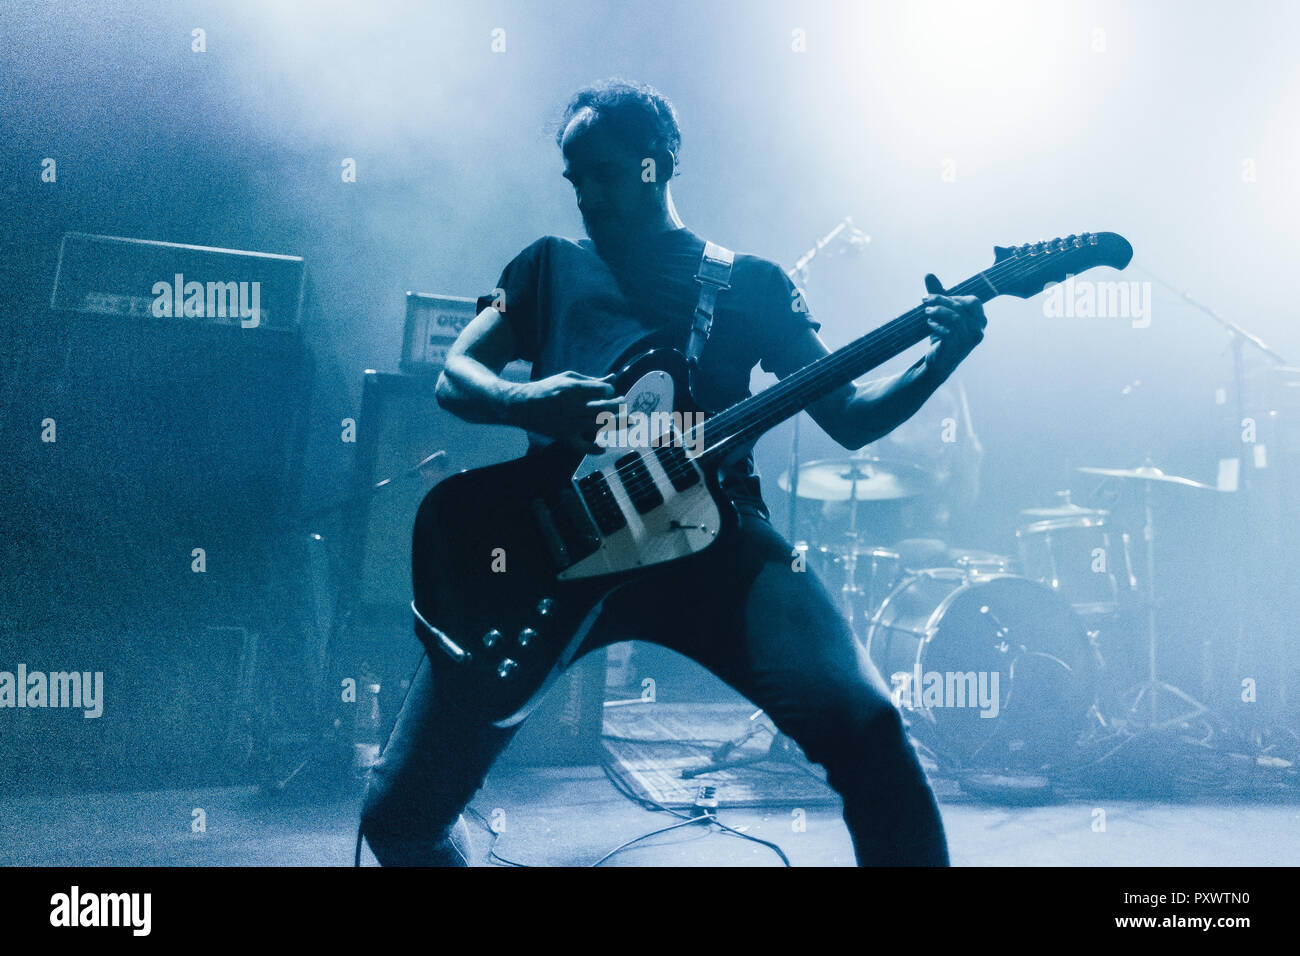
<point x="1151" y="689"/>
<point x="849" y="589"/>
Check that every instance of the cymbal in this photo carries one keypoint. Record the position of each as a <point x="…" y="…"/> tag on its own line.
<point x="1147" y="473"/>
<point x="863" y="552"/>
<point x="1065" y="514"/>
<point x="863" y="478"/>
<point x="1063" y="511"/>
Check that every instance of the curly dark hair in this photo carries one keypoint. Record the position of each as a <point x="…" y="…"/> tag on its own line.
<point x="637" y="114"/>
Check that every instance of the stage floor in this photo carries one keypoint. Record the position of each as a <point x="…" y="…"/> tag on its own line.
<point x="571" y="816"/>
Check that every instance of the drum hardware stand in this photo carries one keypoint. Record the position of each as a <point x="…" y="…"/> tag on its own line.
<point x="1153" y="687"/>
<point x="781" y="749"/>
<point x="1239" y="338"/>
<point x="1127" y="541"/>
<point x="850" y="587"/>
<point x="330" y="756"/>
<point x="1095" y="713"/>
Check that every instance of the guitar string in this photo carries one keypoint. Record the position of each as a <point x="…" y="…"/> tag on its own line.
<point x="789" y="396"/>
<point x="791" y="389"/>
<point x="887" y="334"/>
<point x="792" y="396"/>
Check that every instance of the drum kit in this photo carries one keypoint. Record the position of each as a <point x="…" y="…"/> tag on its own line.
<point x="994" y="659"/>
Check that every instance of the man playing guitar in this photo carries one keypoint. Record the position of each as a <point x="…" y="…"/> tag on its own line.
<point x="741" y="608"/>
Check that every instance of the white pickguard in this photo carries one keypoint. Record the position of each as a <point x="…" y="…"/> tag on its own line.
<point x="688" y="521"/>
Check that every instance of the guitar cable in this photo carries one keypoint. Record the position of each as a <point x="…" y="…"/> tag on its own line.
<point x="496" y="837"/>
<point x="704" y="818"/>
<point x="705" y="815"/>
<point x="651" y="804"/>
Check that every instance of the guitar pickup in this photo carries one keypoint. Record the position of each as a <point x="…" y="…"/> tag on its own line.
<point x="672" y="458"/>
<point x="638" y="484"/>
<point x="600" y="500"/>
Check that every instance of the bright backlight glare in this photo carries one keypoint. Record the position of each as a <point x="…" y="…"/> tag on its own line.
<point x="977" y="64"/>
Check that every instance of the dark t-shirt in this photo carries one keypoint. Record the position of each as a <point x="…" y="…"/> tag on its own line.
<point x="573" y="309"/>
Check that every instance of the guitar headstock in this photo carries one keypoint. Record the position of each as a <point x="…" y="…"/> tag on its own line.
<point x="1024" y="271"/>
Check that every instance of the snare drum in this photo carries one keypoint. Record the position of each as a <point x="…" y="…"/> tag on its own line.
<point x="980" y="562"/>
<point x="992" y="671"/>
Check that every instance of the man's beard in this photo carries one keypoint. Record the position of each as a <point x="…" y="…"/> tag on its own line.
<point x="605" y="232"/>
<point x="596" y="220"/>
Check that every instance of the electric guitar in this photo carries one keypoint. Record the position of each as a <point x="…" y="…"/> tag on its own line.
<point x="511" y="563"/>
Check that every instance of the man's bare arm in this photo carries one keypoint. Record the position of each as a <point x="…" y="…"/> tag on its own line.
<point x="861" y="413"/>
<point x="471" y="386"/>
<point x="564" y="406"/>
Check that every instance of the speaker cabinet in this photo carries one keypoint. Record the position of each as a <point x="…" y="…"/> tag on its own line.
<point x="405" y="444"/>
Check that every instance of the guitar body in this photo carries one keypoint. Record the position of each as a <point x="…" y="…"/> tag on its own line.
<point x="510" y="563"/>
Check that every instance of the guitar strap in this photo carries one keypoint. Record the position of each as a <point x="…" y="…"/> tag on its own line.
<point x="714" y="276"/>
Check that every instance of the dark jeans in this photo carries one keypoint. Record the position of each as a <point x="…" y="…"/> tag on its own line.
<point x="742" y="611"/>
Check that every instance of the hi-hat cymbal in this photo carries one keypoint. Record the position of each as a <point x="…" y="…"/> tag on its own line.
<point x="1065" y="514"/>
<point x="866" y="479"/>
<point x="1062" y="511"/>
<point x="1147" y="473"/>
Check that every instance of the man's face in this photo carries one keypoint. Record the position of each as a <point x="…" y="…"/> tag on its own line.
<point x="615" y="203"/>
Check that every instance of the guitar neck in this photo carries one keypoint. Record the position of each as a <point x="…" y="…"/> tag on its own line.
<point x="747" y="420"/>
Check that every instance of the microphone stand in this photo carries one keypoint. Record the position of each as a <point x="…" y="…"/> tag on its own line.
<point x="1240" y="337"/>
<point x="799" y="275"/>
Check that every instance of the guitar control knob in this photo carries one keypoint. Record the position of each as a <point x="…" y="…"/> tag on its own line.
<point x="545" y="606"/>
<point x="491" y="637"/>
<point x="505" y="667"/>
<point x="526" y="636"/>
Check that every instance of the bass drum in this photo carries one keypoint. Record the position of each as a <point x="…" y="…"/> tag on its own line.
<point x="991" y="671"/>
